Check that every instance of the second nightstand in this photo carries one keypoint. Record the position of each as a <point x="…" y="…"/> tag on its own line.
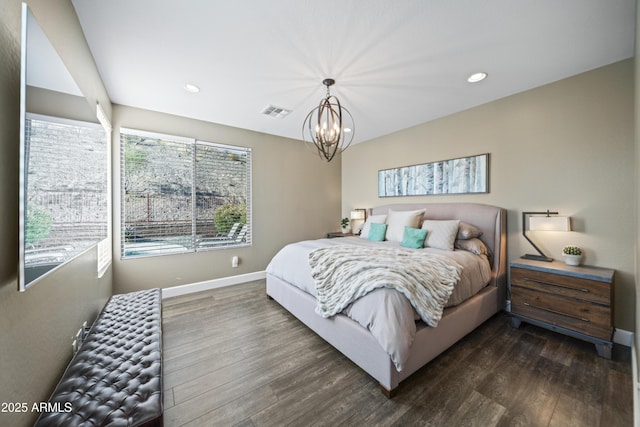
<point x="576" y="301"/>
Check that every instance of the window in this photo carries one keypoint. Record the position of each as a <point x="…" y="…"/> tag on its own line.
<point x="182" y="195"/>
<point x="65" y="206"/>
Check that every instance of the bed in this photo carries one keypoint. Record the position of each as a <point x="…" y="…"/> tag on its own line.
<point x="289" y="276"/>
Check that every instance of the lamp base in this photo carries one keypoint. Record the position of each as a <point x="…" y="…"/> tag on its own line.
<point x="537" y="257"/>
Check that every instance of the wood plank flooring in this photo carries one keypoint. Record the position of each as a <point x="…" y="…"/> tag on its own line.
<point x="232" y="357"/>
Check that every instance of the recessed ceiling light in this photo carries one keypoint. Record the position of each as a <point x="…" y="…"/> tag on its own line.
<point x="191" y="88"/>
<point x="477" y="77"/>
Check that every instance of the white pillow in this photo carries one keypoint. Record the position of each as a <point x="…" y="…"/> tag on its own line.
<point x="440" y="234"/>
<point x="398" y="220"/>
<point x="378" y="219"/>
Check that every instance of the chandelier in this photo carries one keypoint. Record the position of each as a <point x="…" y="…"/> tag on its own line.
<point x="329" y="126"/>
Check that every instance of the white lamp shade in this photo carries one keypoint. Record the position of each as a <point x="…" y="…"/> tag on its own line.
<point x="357" y="214"/>
<point x="549" y="223"/>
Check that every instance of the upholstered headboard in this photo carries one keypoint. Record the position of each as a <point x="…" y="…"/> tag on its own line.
<point x="491" y="220"/>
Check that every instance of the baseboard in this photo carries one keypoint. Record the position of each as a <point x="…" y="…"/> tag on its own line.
<point x="622" y="337"/>
<point x="175" y="291"/>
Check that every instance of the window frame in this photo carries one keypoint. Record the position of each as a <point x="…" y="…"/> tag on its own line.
<point x="194" y="143"/>
<point x="24" y="203"/>
<point x="105" y="252"/>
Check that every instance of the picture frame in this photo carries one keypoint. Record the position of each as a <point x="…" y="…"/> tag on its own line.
<point x="463" y="175"/>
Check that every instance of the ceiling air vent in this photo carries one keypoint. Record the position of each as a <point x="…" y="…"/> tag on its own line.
<point x="273" y="111"/>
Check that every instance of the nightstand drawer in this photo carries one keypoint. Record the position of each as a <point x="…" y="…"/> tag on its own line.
<point x="571" y="287"/>
<point x="584" y="317"/>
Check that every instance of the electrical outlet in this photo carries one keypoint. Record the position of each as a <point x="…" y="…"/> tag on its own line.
<point x="85" y="330"/>
<point x="234" y="261"/>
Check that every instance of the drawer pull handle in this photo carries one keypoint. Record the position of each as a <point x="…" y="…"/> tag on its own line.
<point x="582" y="319"/>
<point x="585" y="290"/>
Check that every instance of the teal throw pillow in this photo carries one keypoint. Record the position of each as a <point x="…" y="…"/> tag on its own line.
<point x="413" y="237"/>
<point x="376" y="232"/>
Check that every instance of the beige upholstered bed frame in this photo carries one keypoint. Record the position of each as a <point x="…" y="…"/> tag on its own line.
<point x="358" y="344"/>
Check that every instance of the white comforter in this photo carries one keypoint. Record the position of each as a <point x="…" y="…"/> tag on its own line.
<point x="343" y="274"/>
<point x="386" y="313"/>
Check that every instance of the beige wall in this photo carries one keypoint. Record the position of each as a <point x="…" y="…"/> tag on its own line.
<point x="295" y="196"/>
<point x="567" y="146"/>
<point x="36" y="327"/>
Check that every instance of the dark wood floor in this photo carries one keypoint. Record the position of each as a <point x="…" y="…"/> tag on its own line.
<point x="233" y="357"/>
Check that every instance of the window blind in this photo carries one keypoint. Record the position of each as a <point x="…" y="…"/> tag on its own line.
<point x="182" y="195"/>
<point x="66" y="205"/>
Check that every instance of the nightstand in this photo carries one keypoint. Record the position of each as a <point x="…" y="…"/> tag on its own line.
<point x="333" y="234"/>
<point x="575" y="301"/>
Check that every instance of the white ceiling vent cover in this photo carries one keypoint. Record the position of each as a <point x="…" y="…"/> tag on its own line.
<point x="273" y="111"/>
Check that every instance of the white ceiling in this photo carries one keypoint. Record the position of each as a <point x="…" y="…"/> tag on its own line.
<point x="396" y="63"/>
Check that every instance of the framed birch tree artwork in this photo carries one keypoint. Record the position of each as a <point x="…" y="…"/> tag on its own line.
<point x="464" y="175"/>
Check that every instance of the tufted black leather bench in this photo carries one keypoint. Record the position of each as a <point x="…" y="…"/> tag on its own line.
<point x="115" y="378"/>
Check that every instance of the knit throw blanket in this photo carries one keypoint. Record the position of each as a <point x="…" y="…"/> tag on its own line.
<point x="342" y="274"/>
